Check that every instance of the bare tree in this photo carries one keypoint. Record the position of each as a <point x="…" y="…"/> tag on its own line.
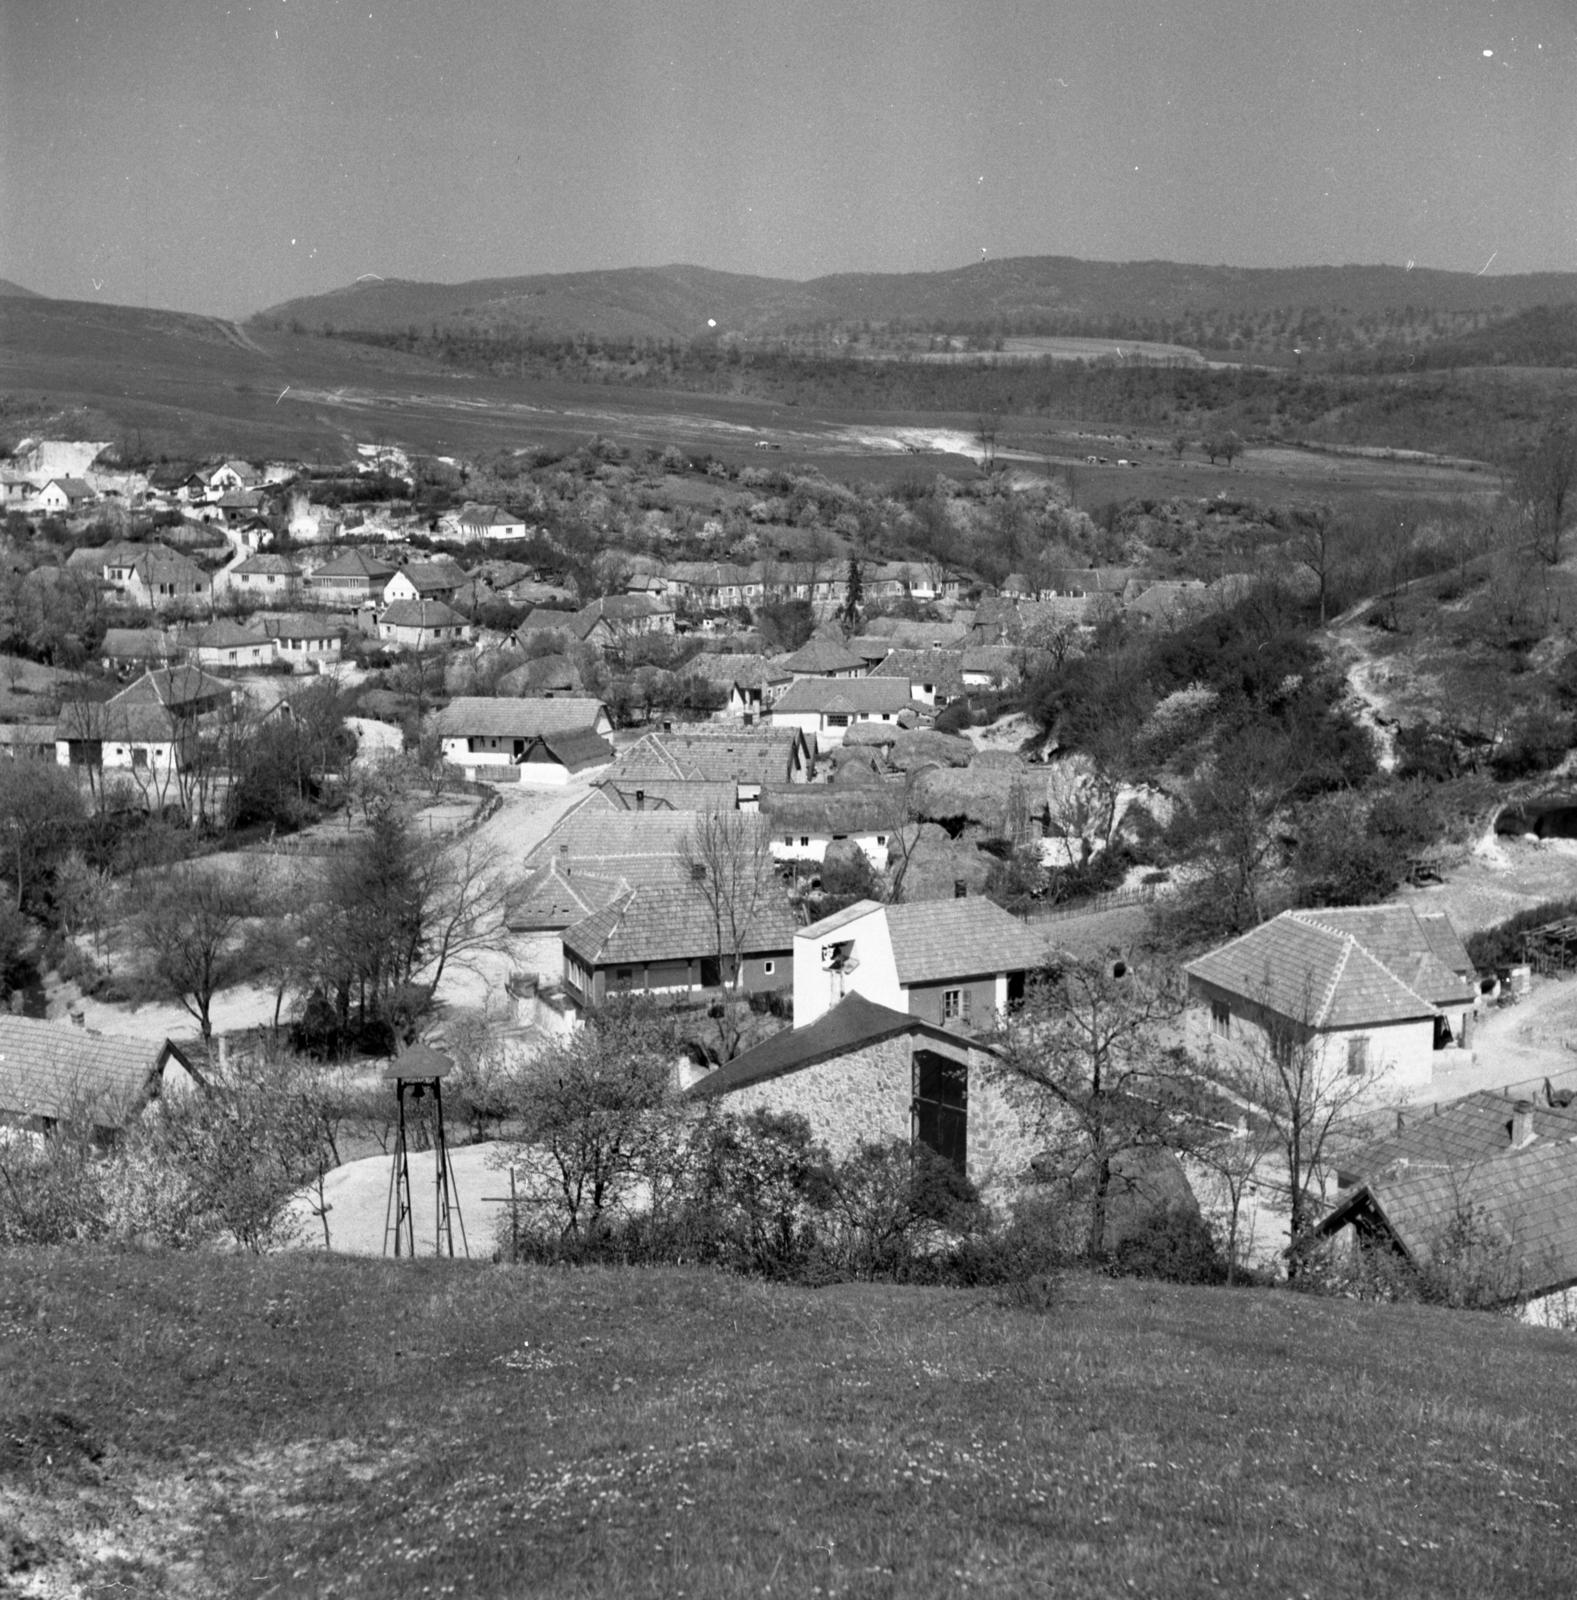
<point x="1317" y="544"/>
<point x="1543" y="486"/>
<point x="1313" y="1094"/>
<point x="1084" y="1058"/>
<point x="726" y="858"/>
<point x="190" y="931"/>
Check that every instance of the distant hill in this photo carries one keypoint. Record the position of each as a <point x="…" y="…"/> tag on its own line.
<point x="1543" y="336"/>
<point x="15" y="291"/>
<point x="677" y="302"/>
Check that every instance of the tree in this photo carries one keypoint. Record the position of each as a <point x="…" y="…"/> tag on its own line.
<point x="1543" y="487"/>
<point x="1084" y="1058"/>
<point x="190" y="932"/>
<point x="1307" y="1095"/>
<point x="726" y="859"/>
<point x="1317" y="544"/>
<point x="39" y="805"/>
<point x="398" y="910"/>
<point x="986" y="428"/>
<point x="854" y="600"/>
<point x="587" y="1108"/>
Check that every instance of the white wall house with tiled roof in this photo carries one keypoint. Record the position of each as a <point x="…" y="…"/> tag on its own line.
<point x="954" y="963"/>
<point x="1362" y="988"/>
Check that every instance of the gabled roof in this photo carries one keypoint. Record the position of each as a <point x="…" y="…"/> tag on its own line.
<point x="74" y="488"/>
<point x="353" y="564"/>
<point x="265" y="563"/>
<point x="737" y="756"/>
<point x="642" y="846"/>
<point x="846" y="696"/>
<point x="669" y="922"/>
<point x="936" y="939"/>
<point x="671" y="794"/>
<point x="223" y="635"/>
<point x="489" y="716"/>
<point x="420" y="614"/>
<point x="475" y="516"/>
<point x="143" y="722"/>
<point x="853" y="1024"/>
<point x="943" y="668"/>
<point x="573" y="748"/>
<point x="302" y="625"/>
<point x="159" y="564"/>
<point x="432" y="577"/>
<point x="618" y="609"/>
<point x="1526" y="1200"/>
<point x="54" y="1071"/>
<point x="820" y="656"/>
<point x="1311" y="974"/>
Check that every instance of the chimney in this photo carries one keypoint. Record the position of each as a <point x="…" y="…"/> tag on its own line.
<point x="960" y="889"/>
<point x="1521" y="1125"/>
<point x="79" y="1018"/>
<point x="640" y="799"/>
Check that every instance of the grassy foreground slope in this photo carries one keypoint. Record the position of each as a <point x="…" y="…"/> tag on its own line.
<point x="292" y="1427"/>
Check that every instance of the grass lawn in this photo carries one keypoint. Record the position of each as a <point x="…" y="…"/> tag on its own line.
<point x="205" y="1425"/>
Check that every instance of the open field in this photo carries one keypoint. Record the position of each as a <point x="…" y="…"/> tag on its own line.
<point x="201" y="1426"/>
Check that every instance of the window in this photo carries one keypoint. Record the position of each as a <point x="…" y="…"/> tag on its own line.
<point x="955" y="1005"/>
<point x="769" y="967"/>
<point x="623" y="974"/>
<point x="1220" y="1018"/>
<point x="881" y="839"/>
<point x="837" y="719"/>
<point x="1357" y="1057"/>
<point x="788" y="838"/>
<point x="804" y="840"/>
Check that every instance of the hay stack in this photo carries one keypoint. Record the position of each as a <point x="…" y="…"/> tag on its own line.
<point x="922" y="747"/>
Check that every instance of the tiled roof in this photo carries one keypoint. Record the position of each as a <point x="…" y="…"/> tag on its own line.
<point x="488" y="716"/>
<point x="135" y="644"/>
<point x="22" y="735"/>
<point x="820" y="656"/>
<point x="175" y="687"/>
<point x="853" y="1024"/>
<point x="354" y="564"/>
<point x="420" y="614"/>
<point x="665" y="922"/>
<point x="555" y="897"/>
<point x="159" y="564"/>
<point x="642" y="846"/>
<point x="849" y="696"/>
<point x="1527" y="1197"/>
<point x="302" y="626"/>
<point x="839" y="919"/>
<point x="1398" y="938"/>
<point x="671" y="794"/>
<point x="52" y="1070"/>
<point x="943" y="668"/>
<point x="1310" y="974"/>
<point x="902" y="632"/>
<point x="1475" y="1128"/>
<point x="433" y="577"/>
<point x="222" y="635"/>
<point x="739" y="756"/>
<point x="938" y="939"/>
<point x="618" y="608"/>
<point x="266" y="562"/>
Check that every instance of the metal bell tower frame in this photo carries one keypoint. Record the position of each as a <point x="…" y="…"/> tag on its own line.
<point x="419" y="1071"/>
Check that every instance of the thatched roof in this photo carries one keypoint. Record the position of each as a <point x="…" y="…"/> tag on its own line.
<point x="918" y="747"/>
<point x="984" y="796"/>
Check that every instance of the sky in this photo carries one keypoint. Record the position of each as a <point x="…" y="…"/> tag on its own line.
<point x="220" y="158"/>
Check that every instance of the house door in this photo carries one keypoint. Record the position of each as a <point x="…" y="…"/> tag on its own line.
<point x="941" y="1106"/>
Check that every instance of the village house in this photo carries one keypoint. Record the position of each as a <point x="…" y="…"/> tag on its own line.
<point x="226" y="644"/>
<point x="422" y="625"/>
<point x="807" y="819"/>
<point x="54" y="1075"/>
<point x="1370" y="991"/>
<point x="610" y="621"/>
<point x="663" y="939"/>
<point x="934" y="677"/>
<point x="826" y="708"/>
<point x="266" y="579"/>
<point x="150" y="724"/>
<point x="64" y="497"/>
<point x="751" y="682"/>
<point x="957" y="964"/>
<point x="232" y="477"/>
<point x="820" y="657"/>
<point x="155" y="577"/>
<point x="425" y="580"/>
<point x="129" y="650"/>
<point x="485" y="523"/>
<point x="1484" y="1187"/>
<point x="307" y="642"/>
<point x="348" y="581"/>
<point x="861" y="1072"/>
<point x="691" y="767"/>
<point x="27" y="741"/>
<point x="543" y="741"/>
